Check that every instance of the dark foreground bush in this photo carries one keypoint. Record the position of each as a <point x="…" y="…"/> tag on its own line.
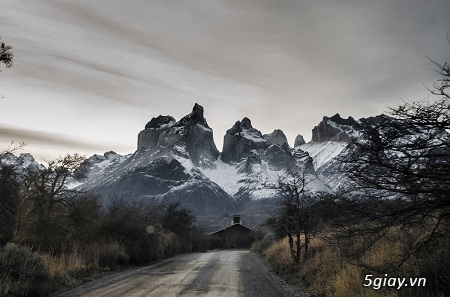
<point x="22" y="273"/>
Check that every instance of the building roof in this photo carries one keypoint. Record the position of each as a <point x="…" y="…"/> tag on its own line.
<point x="234" y="226"/>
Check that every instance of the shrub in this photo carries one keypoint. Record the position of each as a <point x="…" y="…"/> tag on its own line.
<point x="279" y="257"/>
<point x="327" y="273"/>
<point x="84" y="258"/>
<point x="22" y="273"/>
<point x="110" y="255"/>
<point x="263" y="244"/>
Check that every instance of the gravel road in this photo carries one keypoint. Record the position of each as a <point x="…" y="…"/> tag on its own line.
<point x="218" y="273"/>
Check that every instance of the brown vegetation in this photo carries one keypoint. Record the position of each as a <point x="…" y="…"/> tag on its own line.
<point x="63" y="236"/>
<point x="392" y="216"/>
<point x="327" y="273"/>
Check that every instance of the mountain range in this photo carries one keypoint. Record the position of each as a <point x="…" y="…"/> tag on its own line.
<point x="178" y="161"/>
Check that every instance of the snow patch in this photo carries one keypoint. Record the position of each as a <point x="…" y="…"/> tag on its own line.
<point x="225" y="175"/>
<point x="206" y="129"/>
<point x="252" y="136"/>
<point x="346" y="129"/>
<point x="182" y="156"/>
<point x="264" y="193"/>
<point x="323" y="152"/>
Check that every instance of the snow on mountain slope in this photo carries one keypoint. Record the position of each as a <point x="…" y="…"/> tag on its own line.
<point x="323" y="152"/>
<point x="166" y="167"/>
<point x="22" y="163"/>
<point x="177" y="161"/>
<point x="99" y="165"/>
<point x="225" y="175"/>
<point x="259" y="184"/>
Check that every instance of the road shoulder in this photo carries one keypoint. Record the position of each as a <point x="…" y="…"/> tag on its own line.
<point x="253" y="262"/>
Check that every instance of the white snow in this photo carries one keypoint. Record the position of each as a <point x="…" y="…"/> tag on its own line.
<point x="186" y="163"/>
<point x="315" y="185"/>
<point x="344" y="128"/>
<point x="182" y="156"/>
<point x="206" y="129"/>
<point x="162" y="126"/>
<point x="252" y="136"/>
<point x="225" y="175"/>
<point x="8" y="158"/>
<point x="104" y="164"/>
<point x="264" y="193"/>
<point x="323" y="152"/>
<point x="73" y="184"/>
<point x="109" y="162"/>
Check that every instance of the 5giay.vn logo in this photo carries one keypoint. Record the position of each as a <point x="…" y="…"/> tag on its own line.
<point x="393" y="282"/>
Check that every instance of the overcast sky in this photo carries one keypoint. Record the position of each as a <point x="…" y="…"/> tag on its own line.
<point x="88" y="75"/>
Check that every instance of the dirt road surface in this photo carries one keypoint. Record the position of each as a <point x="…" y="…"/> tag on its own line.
<point x="218" y="273"/>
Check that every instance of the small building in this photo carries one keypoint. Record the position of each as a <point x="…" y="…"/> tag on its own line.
<point x="235" y="236"/>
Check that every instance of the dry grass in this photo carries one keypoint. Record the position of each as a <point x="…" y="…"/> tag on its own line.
<point x="330" y="275"/>
<point x="68" y="267"/>
<point x="256" y="246"/>
<point x="279" y="256"/>
<point x="22" y="272"/>
<point x="383" y="252"/>
<point x="325" y="273"/>
<point x="64" y="264"/>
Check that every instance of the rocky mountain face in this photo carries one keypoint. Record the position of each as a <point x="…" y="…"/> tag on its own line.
<point x="166" y="167"/>
<point x="22" y="163"/>
<point x="329" y="141"/>
<point x="276" y="137"/>
<point x="335" y="129"/>
<point x="240" y="140"/>
<point x="332" y="141"/>
<point x="191" y="132"/>
<point x="299" y="140"/>
<point x="178" y="161"/>
<point x="261" y="160"/>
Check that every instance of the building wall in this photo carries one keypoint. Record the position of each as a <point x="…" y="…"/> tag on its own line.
<point x="235" y="237"/>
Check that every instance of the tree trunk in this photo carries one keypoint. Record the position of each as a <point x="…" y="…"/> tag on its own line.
<point x="291" y="247"/>
<point x="307" y="239"/>
<point x="298" y="247"/>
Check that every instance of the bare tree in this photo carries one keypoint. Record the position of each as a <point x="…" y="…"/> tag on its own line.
<point x="399" y="171"/>
<point x="12" y="147"/>
<point x="9" y="201"/>
<point x="426" y="113"/>
<point x="9" y="193"/>
<point x="297" y="218"/>
<point x="45" y="196"/>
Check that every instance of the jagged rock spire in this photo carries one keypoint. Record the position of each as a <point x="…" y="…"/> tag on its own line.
<point x="240" y="140"/>
<point x="195" y="117"/>
<point x="276" y="137"/>
<point x="159" y="122"/>
<point x="191" y="135"/>
<point x="334" y="129"/>
<point x="299" y="140"/>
